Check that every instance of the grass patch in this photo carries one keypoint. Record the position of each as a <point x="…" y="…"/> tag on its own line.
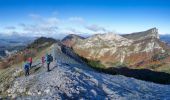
<point x="93" y="64"/>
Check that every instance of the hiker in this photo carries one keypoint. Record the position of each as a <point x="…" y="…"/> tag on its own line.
<point x="26" y="68"/>
<point x="30" y="61"/>
<point x="43" y="60"/>
<point x="49" y="59"/>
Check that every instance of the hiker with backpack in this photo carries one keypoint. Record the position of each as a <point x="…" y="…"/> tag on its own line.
<point x="49" y="59"/>
<point x="26" y="68"/>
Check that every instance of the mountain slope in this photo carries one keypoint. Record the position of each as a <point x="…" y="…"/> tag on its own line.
<point x="136" y="50"/>
<point x="31" y="50"/>
<point x="71" y="39"/>
<point x="70" y="79"/>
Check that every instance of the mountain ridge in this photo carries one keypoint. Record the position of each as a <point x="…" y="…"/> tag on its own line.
<point x="134" y="50"/>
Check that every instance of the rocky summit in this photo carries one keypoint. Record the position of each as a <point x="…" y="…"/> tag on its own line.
<point x="151" y="33"/>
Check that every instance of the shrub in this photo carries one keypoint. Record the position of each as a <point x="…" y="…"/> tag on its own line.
<point x="160" y="56"/>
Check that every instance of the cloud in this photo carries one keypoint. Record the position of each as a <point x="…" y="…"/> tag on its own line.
<point x="34" y="16"/>
<point x="21" y="24"/>
<point x="10" y="27"/>
<point x="52" y="26"/>
<point x="78" y="20"/>
<point x="84" y="24"/>
<point x="95" y="28"/>
<point x="72" y="30"/>
<point x="41" y="26"/>
<point x="51" y="21"/>
<point x="55" y="13"/>
<point x="40" y="29"/>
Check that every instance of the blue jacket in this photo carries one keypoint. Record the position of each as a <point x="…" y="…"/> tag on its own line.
<point x="26" y="66"/>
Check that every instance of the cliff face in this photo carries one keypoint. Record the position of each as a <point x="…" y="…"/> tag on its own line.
<point x="133" y="50"/>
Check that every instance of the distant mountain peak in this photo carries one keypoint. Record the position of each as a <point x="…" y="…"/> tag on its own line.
<point x="71" y="39"/>
<point x="150" y="33"/>
<point x="72" y="36"/>
<point x="153" y="32"/>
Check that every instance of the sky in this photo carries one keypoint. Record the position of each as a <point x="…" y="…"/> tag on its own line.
<point x="57" y="17"/>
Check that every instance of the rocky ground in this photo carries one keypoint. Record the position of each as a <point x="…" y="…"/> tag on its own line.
<point x="70" y="79"/>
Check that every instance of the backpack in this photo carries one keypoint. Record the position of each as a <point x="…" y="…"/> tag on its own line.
<point x="49" y="58"/>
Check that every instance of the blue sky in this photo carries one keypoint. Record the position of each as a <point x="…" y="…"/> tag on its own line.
<point x="51" y="17"/>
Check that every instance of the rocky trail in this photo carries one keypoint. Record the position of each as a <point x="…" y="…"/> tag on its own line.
<point x="71" y="79"/>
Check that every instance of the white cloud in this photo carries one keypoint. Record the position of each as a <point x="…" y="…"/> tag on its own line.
<point x="34" y="16"/>
<point x="55" y="13"/>
<point x="51" y="21"/>
<point x="72" y="31"/>
<point x="21" y="24"/>
<point x="78" y="20"/>
<point x="95" y="28"/>
<point x="10" y="28"/>
<point x="41" y="26"/>
<point x="53" y="26"/>
<point x="40" y="29"/>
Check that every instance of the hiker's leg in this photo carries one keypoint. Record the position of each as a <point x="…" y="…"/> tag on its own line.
<point x="48" y="64"/>
<point x="30" y="64"/>
<point x="28" y="72"/>
<point x="25" y="72"/>
<point x="49" y="67"/>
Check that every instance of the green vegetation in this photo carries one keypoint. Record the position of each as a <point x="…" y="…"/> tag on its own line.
<point x="94" y="64"/>
<point x="160" y="56"/>
<point x="117" y="64"/>
<point x="166" y="70"/>
<point x="131" y="48"/>
<point x="97" y="65"/>
<point x="154" y="66"/>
